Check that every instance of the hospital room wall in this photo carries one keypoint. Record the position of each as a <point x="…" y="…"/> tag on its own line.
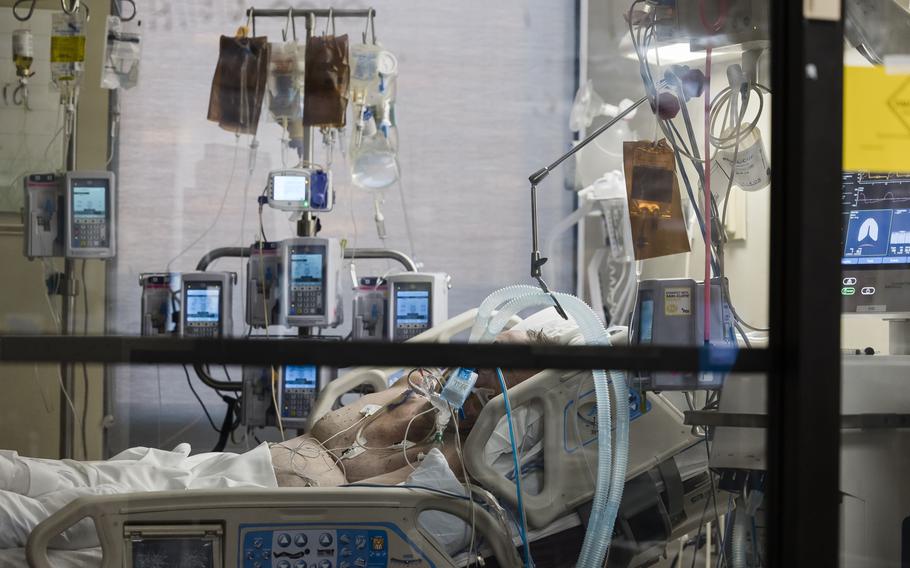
<point x="484" y="92"/>
<point x="616" y="76"/>
<point x="29" y="407"/>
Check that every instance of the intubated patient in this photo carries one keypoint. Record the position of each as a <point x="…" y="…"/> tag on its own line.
<point x="380" y="437"/>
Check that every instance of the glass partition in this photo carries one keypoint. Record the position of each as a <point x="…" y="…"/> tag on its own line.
<point x="300" y="248"/>
<point x="875" y="404"/>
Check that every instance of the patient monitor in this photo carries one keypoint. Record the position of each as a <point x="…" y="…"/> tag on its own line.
<point x="90" y="214"/>
<point x="417" y="302"/>
<point x="301" y="189"/>
<point x="206" y="304"/>
<point x="309" y="287"/>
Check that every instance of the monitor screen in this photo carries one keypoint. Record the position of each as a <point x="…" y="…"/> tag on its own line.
<point x="646" y="320"/>
<point x="412" y="307"/>
<point x="196" y="552"/>
<point x="875" y="243"/>
<point x="876" y="219"/>
<point x="306" y="268"/>
<point x="300" y="377"/>
<point x="90" y="202"/>
<point x="203" y="302"/>
<point x="289" y="188"/>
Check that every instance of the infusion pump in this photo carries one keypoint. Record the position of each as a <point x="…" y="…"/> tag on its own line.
<point x="417" y="302"/>
<point x="70" y="215"/>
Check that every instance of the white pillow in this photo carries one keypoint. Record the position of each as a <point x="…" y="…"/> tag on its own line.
<point x="548" y="321"/>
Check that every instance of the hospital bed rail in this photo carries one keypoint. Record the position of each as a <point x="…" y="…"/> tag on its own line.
<point x="232" y="519"/>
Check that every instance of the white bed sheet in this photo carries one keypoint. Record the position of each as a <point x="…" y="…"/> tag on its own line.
<point x="33" y="489"/>
<point x="88" y="558"/>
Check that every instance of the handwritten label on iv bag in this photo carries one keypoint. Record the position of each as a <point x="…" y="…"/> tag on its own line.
<point x="458" y="387"/>
<point x="752" y="170"/>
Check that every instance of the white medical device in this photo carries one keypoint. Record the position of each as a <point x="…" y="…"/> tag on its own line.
<point x="417" y="302"/>
<point x="297" y="387"/>
<point x="159" y="302"/>
<point x="263" y="285"/>
<point x="309" y="282"/>
<point x="41" y="215"/>
<point x="90" y="204"/>
<point x="371" y="301"/>
<point x="300" y="189"/>
<point x="206" y="304"/>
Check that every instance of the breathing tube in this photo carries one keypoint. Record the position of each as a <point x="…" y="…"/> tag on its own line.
<point x="611" y="469"/>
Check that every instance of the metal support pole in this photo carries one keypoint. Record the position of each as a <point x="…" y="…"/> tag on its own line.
<point x="68" y="307"/>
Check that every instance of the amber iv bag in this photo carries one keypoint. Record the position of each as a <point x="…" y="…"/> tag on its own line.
<point x="239" y="84"/>
<point x="655" y="210"/>
<point x="327" y="76"/>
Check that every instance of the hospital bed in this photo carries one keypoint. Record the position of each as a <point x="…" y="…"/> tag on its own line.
<point x="373" y="527"/>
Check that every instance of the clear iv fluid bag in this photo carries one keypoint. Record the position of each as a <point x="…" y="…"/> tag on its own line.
<point x="374" y="164"/>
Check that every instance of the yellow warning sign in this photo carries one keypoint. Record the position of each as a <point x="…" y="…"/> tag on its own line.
<point x="876" y="120"/>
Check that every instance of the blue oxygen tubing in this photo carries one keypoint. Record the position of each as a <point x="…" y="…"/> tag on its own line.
<point x="523" y="525"/>
<point x="613" y="449"/>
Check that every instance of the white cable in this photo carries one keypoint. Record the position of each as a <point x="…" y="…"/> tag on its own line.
<point x="227" y="191"/>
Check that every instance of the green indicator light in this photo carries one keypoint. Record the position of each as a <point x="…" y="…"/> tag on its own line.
<point x="847" y="291"/>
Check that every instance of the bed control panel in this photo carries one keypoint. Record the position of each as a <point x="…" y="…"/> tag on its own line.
<point x="312" y="546"/>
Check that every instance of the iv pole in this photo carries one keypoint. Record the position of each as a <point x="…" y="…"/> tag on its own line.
<point x="308" y="225"/>
<point x="537" y="261"/>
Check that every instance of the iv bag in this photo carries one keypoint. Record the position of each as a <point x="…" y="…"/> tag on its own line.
<point x="374" y="143"/>
<point x="655" y="208"/>
<point x="67" y="48"/>
<point x="327" y="78"/>
<point x="364" y="71"/>
<point x="120" y="69"/>
<point x="285" y="84"/>
<point x="374" y="160"/>
<point x="239" y="84"/>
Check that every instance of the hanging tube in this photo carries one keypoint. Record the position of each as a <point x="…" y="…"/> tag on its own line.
<point x="611" y="470"/>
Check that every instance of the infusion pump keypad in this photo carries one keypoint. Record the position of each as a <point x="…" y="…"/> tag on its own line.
<point x="319" y="547"/>
<point x="403" y="332"/>
<point x="306" y="301"/>
<point x="90" y="233"/>
<point x="296" y="403"/>
<point x="199" y="329"/>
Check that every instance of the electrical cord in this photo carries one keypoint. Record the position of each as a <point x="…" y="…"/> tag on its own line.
<point x="189" y="382"/>
<point x="227" y="191"/>
<point x="83" y="419"/>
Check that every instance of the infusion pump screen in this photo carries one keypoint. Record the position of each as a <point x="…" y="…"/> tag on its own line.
<point x="412" y="307"/>
<point x="307" y="273"/>
<point x="89" y="202"/>
<point x="203" y="303"/>
<point x="300" y="377"/>
<point x="289" y="188"/>
<point x="876" y="219"/>
<point x="306" y="269"/>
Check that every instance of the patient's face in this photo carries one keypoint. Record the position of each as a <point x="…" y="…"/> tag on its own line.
<point x="487" y="379"/>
